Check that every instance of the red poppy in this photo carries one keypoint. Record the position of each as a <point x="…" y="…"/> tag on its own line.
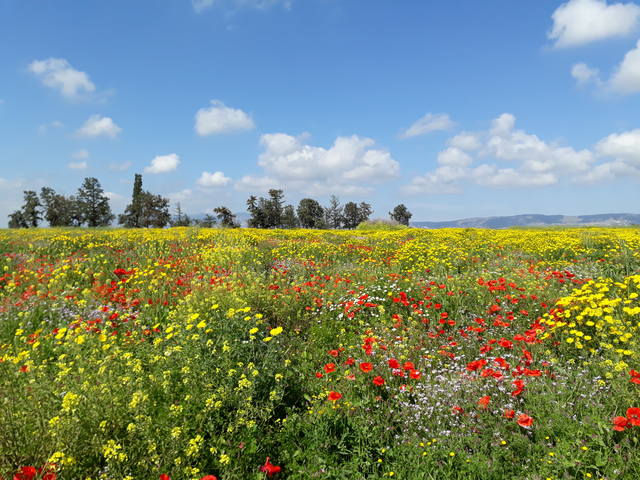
<point x="319" y="375"/>
<point x="333" y="353"/>
<point x="457" y="410"/>
<point x="393" y="363"/>
<point x="633" y="415"/>
<point x="408" y="366"/>
<point x="269" y="468"/>
<point x="349" y="361"/>
<point x="476" y="365"/>
<point x="26" y="473"/>
<point x="366" y="367"/>
<point x="635" y="376"/>
<point x="619" y="423"/>
<point x="209" y="477"/>
<point x="330" y="367"/>
<point x="484" y="401"/>
<point x="519" y="384"/>
<point x="164" y="476"/>
<point x="509" y="413"/>
<point x="334" y="396"/>
<point x="379" y="381"/>
<point x="525" y="420"/>
<point x="415" y="374"/>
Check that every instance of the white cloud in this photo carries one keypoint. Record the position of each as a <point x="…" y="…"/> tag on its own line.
<point x="163" y="164"/>
<point x="78" y="165"/>
<point x="216" y="179"/>
<point x="535" y="163"/>
<point x="120" y="167"/>
<point x="201" y="5"/>
<point x="465" y="141"/>
<point x="578" y="22"/>
<point x="626" y="79"/>
<point x="80" y="154"/>
<point x="623" y="146"/>
<point x="57" y="73"/>
<point x="351" y="164"/>
<point x="98" y="126"/>
<point x="429" y="123"/>
<point x="181" y="196"/>
<point x="584" y="74"/>
<point x="492" y="176"/>
<point x="534" y="155"/>
<point x="218" y="118"/>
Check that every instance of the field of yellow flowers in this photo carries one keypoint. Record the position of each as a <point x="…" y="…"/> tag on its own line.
<point x="249" y="354"/>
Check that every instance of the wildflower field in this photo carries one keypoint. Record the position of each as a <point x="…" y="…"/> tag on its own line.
<point x="302" y="354"/>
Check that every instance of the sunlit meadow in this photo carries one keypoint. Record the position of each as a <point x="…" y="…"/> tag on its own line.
<point x="249" y="354"/>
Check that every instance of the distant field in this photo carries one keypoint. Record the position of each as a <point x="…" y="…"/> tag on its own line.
<point x="302" y="354"/>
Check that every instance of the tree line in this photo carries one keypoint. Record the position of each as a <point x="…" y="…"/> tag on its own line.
<point x="90" y="207"/>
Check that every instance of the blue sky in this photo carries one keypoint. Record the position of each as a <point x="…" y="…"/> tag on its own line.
<point x="456" y="109"/>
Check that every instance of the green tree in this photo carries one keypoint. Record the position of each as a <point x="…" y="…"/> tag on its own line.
<point x="94" y="204"/>
<point x="350" y="215"/>
<point x="355" y="214"/>
<point x="57" y="208"/>
<point x="333" y="213"/>
<point x="256" y="210"/>
<point x="289" y="219"/>
<point x="17" y="220"/>
<point x="274" y="208"/>
<point x="180" y="219"/>
<point x="208" y="221"/>
<point x="364" y="212"/>
<point x="400" y="214"/>
<point x="132" y="216"/>
<point x="31" y="207"/>
<point x="226" y="218"/>
<point x="154" y="211"/>
<point x="311" y="214"/>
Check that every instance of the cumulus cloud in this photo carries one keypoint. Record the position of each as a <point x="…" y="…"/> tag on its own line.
<point x="626" y="78"/>
<point x="78" y="165"/>
<point x="465" y="141"/>
<point x="218" y="118"/>
<point x="584" y="74"/>
<point x="350" y="165"/>
<point x="578" y="22"/>
<point x="99" y="126"/>
<point x="163" y="164"/>
<point x="429" y="123"/>
<point x="623" y="146"/>
<point x="57" y="73"/>
<point x="215" y="179"/>
<point x="533" y="162"/>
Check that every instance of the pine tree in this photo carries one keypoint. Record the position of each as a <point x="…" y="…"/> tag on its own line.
<point x="94" y="204"/>
<point x="333" y="213"/>
<point x="289" y="219"/>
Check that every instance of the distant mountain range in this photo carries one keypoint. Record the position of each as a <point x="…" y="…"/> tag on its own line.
<point x="534" y="220"/>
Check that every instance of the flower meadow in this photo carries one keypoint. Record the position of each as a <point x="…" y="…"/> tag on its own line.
<point x="191" y="353"/>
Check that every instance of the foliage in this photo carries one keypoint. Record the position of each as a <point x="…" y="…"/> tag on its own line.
<point x="311" y="214"/>
<point x="297" y="354"/>
<point x="401" y="214"/>
<point x="93" y="204"/>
